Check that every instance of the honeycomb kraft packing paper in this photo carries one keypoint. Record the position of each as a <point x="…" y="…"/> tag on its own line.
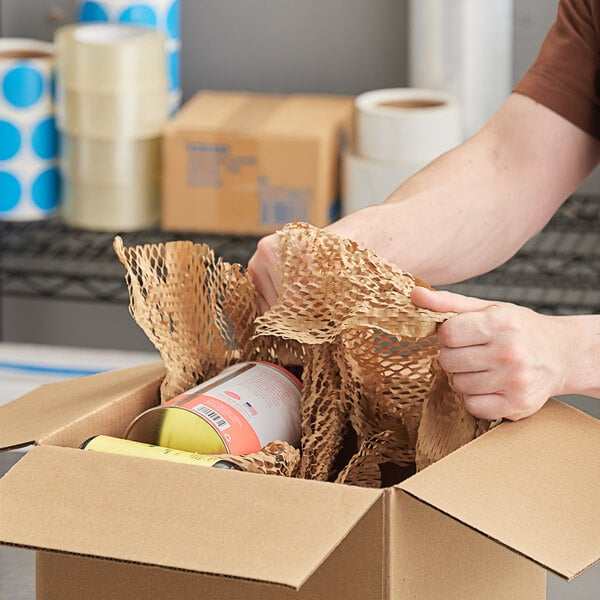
<point x="375" y="404"/>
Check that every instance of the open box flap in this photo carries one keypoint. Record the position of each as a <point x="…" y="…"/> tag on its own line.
<point x="532" y="485"/>
<point x="258" y="527"/>
<point x="43" y="411"/>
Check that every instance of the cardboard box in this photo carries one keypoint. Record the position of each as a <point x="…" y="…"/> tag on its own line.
<point x="240" y="163"/>
<point x="484" y="522"/>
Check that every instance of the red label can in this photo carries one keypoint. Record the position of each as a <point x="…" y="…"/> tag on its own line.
<point x="238" y="411"/>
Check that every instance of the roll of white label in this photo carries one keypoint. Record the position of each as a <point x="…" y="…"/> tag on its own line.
<point x="366" y="181"/>
<point x="29" y="176"/>
<point x="406" y="125"/>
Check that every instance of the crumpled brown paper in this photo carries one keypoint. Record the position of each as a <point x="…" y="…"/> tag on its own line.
<point x="373" y="395"/>
<point x="276" y="458"/>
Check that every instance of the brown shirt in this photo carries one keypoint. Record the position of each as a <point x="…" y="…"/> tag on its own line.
<point x="566" y="74"/>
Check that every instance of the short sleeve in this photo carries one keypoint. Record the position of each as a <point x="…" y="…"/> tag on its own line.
<point x="565" y="76"/>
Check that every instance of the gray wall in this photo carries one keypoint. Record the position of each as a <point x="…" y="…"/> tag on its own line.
<point x="330" y="46"/>
<point x="336" y="46"/>
<point x="533" y="18"/>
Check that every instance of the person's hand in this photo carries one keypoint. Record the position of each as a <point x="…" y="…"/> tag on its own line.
<point x="262" y="267"/>
<point x="506" y="360"/>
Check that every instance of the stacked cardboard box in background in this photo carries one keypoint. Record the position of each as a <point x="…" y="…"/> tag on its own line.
<point x="242" y="163"/>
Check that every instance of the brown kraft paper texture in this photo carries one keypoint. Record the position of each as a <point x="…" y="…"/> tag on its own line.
<point x="375" y="405"/>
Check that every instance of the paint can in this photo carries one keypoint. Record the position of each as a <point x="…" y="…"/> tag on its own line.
<point x="115" y="445"/>
<point x="238" y="411"/>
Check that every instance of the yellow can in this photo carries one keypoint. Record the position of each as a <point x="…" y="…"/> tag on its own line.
<point x="114" y="445"/>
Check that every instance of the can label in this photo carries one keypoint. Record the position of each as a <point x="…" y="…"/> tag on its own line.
<point x="248" y="404"/>
<point x="239" y="411"/>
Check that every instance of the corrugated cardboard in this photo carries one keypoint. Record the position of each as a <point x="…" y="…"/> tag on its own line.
<point x="241" y="163"/>
<point x="477" y="524"/>
<point x="538" y="488"/>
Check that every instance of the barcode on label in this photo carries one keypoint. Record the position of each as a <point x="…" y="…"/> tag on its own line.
<point x="215" y="417"/>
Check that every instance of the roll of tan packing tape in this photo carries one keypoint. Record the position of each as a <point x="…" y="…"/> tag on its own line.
<point x="102" y="115"/>
<point x="366" y="181"/>
<point x="118" y="161"/>
<point x="111" y="81"/>
<point x="406" y="125"/>
<point x="105" y="57"/>
<point x="111" y="207"/>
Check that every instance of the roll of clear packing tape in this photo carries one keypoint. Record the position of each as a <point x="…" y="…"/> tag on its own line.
<point x="118" y="161"/>
<point x="104" y="57"/>
<point x="106" y="207"/>
<point x="162" y="15"/>
<point x="29" y="175"/>
<point x="366" y="181"/>
<point x="139" y="113"/>
<point x="406" y="125"/>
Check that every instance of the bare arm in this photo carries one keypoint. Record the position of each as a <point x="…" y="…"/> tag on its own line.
<point x="471" y="209"/>
<point x="474" y="207"/>
<point x="464" y="214"/>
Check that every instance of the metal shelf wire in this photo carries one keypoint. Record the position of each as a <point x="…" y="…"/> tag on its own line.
<point x="48" y="259"/>
<point x="557" y="272"/>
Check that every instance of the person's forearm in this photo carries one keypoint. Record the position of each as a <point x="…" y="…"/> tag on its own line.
<point x="474" y="207"/>
<point x="443" y="224"/>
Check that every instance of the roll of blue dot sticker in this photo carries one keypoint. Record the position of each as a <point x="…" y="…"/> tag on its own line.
<point x="174" y="70"/>
<point x="22" y="85"/>
<point x="44" y="139"/>
<point x="10" y="140"/>
<point x="91" y="12"/>
<point x="139" y="14"/>
<point x="28" y="136"/>
<point x="173" y="21"/>
<point x="53" y="87"/>
<point x="10" y="192"/>
<point x="45" y="190"/>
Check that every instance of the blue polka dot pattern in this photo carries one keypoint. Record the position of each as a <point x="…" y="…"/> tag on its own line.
<point x="22" y="86"/>
<point x="10" y="140"/>
<point x="90" y="12"/>
<point x="173" y="21"/>
<point x="53" y="86"/>
<point x="174" y="76"/>
<point x="139" y="14"/>
<point x="44" y="139"/>
<point x="45" y="189"/>
<point x="10" y="191"/>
